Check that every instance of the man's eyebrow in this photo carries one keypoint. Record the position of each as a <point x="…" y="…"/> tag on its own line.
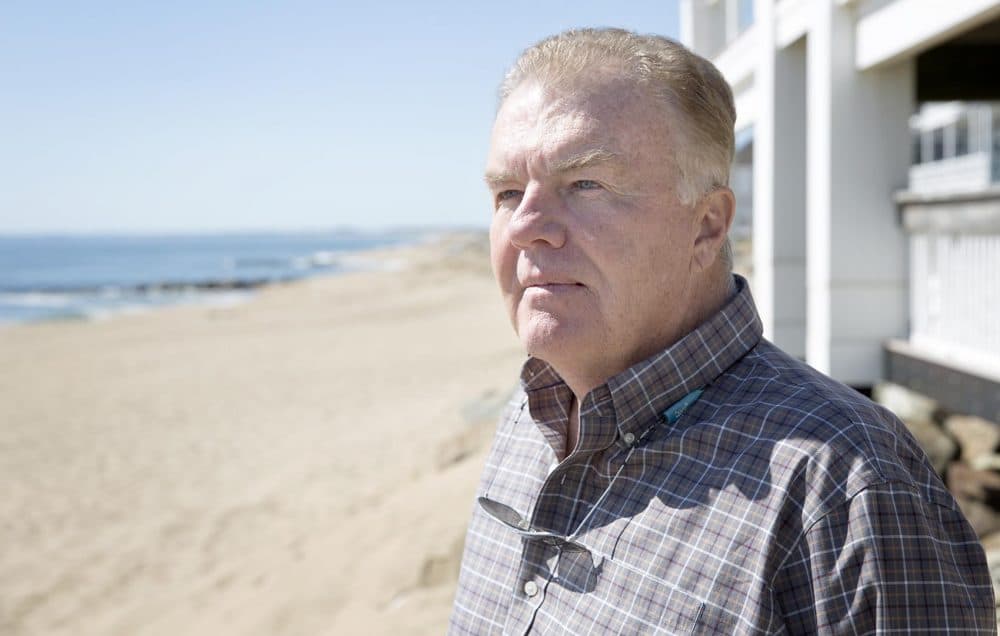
<point x="585" y="159"/>
<point x="578" y="161"/>
<point x="497" y="178"/>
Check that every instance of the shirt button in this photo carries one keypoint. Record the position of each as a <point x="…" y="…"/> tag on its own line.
<point x="530" y="589"/>
<point x="628" y="438"/>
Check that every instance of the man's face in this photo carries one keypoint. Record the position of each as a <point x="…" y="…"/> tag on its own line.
<point x="589" y="243"/>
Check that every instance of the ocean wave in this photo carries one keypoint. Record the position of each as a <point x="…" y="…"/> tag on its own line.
<point x="40" y="299"/>
<point x="108" y="303"/>
<point x="260" y="262"/>
<point x="323" y="259"/>
<point x="98" y="277"/>
<point x="50" y="293"/>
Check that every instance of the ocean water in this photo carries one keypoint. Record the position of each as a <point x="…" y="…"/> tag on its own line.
<point x="49" y="277"/>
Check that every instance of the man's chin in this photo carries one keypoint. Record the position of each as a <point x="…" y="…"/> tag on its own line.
<point x="554" y="334"/>
<point x="552" y="344"/>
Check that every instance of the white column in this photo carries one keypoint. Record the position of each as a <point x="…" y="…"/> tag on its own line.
<point x="732" y="19"/>
<point x="819" y="99"/>
<point x="857" y="156"/>
<point x="779" y="244"/>
<point x="703" y="26"/>
<point x="686" y="20"/>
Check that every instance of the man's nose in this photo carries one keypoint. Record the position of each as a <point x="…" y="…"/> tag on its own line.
<point x="538" y="218"/>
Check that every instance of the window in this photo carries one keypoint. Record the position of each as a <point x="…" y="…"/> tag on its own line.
<point x="996" y="132"/>
<point x="962" y="136"/>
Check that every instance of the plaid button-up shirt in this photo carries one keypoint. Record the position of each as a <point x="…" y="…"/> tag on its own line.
<point x="779" y="502"/>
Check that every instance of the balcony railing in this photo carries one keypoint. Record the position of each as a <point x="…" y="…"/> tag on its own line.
<point x="956" y="148"/>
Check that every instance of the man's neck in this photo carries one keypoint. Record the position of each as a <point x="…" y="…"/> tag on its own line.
<point x="584" y="375"/>
<point x="717" y="295"/>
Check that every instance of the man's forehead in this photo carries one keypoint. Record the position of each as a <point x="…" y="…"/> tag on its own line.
<point x="557" y="138"/>
<point x="600" y="104"/>
<point x="564" y="130"/>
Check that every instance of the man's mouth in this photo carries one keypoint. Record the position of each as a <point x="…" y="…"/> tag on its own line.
<point x="554" y="285"/>
<point x="548" y="281"/>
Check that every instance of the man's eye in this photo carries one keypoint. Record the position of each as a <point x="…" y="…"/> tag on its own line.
<point x="506" y="195"/>
<point x="586" y="184"/>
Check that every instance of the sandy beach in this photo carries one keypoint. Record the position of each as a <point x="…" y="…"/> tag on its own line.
<point x="301" y="463"/>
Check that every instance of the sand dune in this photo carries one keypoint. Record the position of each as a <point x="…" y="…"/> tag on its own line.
<point x="302" y="463"/>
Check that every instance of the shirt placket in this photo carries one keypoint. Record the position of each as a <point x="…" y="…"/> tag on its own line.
<point x="531" y="584"/>
<point x="559" y="514"/>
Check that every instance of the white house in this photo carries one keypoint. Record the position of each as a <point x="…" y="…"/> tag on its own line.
<point x="873" y="131"/>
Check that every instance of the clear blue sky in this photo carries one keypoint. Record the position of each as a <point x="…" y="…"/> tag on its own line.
<point x="166" y="116"/>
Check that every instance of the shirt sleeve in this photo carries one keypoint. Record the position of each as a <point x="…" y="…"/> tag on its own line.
<point x="887" y="561"/>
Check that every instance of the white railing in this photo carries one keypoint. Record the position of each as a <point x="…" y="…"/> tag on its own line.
<point x="955" y="295"/>
<point x="967" y="173"/>
<point x="956" y="148"/>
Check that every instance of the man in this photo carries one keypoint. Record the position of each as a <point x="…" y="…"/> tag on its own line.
<point x="664" y="469"/>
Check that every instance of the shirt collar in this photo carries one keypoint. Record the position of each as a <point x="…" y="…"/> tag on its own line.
<point x="635" y="399"/>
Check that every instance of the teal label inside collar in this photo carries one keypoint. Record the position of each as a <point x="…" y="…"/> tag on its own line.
<point x="677" y="409"/>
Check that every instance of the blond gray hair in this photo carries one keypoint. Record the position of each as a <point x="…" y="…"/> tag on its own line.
<point x="690" y="86"/>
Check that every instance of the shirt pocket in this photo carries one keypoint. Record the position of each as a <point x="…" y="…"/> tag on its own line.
<point x="705" y="619"/>
<point x="635" y="602"/>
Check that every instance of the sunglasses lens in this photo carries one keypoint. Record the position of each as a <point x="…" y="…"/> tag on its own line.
<point x="513" y="519"/>
<point x="502" y="513"/>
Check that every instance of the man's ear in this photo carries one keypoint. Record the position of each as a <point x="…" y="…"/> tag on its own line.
<point x="714" y="215"/>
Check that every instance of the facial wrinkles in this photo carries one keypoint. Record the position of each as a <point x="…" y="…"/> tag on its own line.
<point x="555" y="140"/>
<point x="539" y="133"/>
<point x="537" y="136"/>
<point x="536" y="133"/>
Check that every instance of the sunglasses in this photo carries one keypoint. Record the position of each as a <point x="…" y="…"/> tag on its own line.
<point x="515" y="521"/>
